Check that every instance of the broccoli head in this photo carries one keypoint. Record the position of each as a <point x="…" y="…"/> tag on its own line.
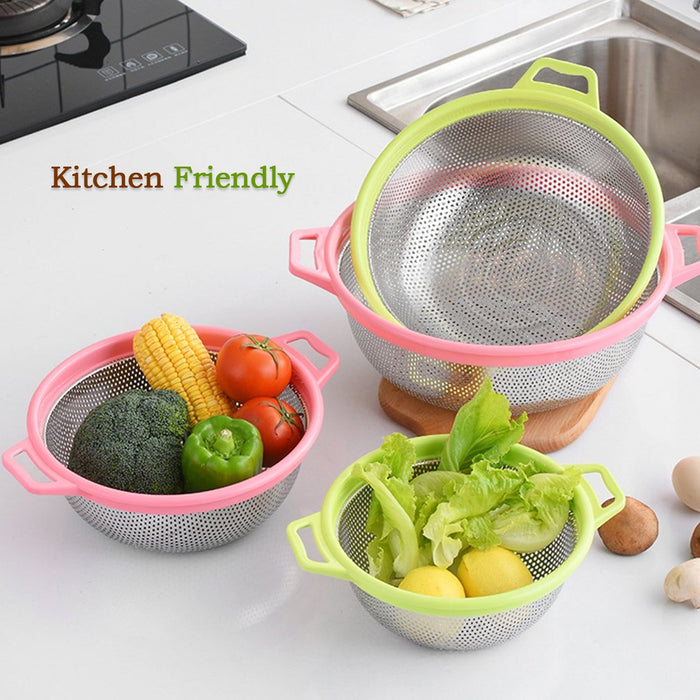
<point x="133" y="442"/>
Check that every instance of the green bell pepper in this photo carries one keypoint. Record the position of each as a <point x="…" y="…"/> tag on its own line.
<point x="220" y="451"/>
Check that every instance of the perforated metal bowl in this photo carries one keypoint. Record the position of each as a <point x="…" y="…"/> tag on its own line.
<point x="448" y="623"/>
<point x="447" y="374"/>
<point x="532" y="388"/>
<point x="172" y="523"/>
<point x="509" y="217"/>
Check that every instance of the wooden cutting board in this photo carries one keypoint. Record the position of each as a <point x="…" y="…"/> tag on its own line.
<point x="545" y="432"/>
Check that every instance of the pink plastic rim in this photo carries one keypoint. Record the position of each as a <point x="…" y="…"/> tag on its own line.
<point x="489" y="355"/>
<point x="92" y="358"/>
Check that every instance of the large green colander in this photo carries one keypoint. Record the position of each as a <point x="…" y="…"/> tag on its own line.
<point x="448" y="623"/>
<point x="510" y="217"/>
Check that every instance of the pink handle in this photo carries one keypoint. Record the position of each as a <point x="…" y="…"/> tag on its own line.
<point x="320" y="374"/>
<point x="682" y="272"/>
<point x="319" y="276"/>
<point x="55" y="486"/>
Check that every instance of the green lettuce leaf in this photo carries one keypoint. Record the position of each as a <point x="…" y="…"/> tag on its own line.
<point x="395" y="549"/>
<point x="471" y="500"/>
<point x="399" y="456"/>
<point x="436" y="483"/>
<point x="452" y="525"/>
<point x="380" y="560"/>
<point x="479" y="533"/>
<point x="536" y="517"/>
<point x="483" y="429"/>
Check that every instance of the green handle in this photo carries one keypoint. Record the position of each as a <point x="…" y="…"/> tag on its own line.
<point x="600" y="514"/>
<point x="329" y="567"/>
<point x="590" y="97"/>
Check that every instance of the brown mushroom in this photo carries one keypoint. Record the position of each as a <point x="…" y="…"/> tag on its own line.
<point x="632" y="531"/>
<point x="695" y="541"/>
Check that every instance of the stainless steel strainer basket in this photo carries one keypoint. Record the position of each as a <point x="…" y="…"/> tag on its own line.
<point x="510" y="217"/>
<point x="442" y="623"/>
<point x="447" y="374"/>
<point x="172" y="523"/>
<point x="173" y="532"/>
<point x="532" y="388"/>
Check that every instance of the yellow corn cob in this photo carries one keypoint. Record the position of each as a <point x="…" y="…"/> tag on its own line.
<point x="172" y="356"/>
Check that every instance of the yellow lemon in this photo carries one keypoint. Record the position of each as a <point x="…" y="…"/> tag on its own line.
<point x="495" y="570"/>
<point x="432" y="580"/>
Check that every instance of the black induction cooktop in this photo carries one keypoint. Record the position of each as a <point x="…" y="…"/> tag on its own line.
<point x="63" y="58"/>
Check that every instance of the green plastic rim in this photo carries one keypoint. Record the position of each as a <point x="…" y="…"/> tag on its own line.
<point x="586" y="510"/>
<point x="527" y="94"/>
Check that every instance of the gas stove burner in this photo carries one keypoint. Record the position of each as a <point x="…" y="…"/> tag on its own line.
<point x="93" y="53"/>
<point x="20" y="17"/>
<point x="29" y="25"/>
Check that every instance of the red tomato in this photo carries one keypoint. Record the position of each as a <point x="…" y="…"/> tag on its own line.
<point x="280" y="426"/>
<point x="252" y="365"/>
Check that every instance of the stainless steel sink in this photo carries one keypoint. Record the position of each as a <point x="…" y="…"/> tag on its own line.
<point x="648" y="66"/>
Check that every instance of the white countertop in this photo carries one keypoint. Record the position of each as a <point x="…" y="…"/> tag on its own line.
<point x="85" y="616"/>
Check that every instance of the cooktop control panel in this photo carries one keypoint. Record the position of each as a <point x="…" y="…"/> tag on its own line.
<point x="106" y="52"/>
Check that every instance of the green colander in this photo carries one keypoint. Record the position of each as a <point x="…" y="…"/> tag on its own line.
<point x="447" y="623"/>
<point x="510" y="217"/>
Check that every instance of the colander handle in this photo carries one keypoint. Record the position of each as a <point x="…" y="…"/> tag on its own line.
<point x="590" y="97"/>
<point x="329" y="567"/>
<point x="318" y="276"/>
<point x="682" y="272"/>
<point x="320" y="374"/>
<point x="55" y="486"/>
<point x="600" y="514"/>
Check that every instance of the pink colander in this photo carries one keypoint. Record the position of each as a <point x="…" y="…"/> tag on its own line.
<point x="172" y="523"/>
<point x="447" y="373"/>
